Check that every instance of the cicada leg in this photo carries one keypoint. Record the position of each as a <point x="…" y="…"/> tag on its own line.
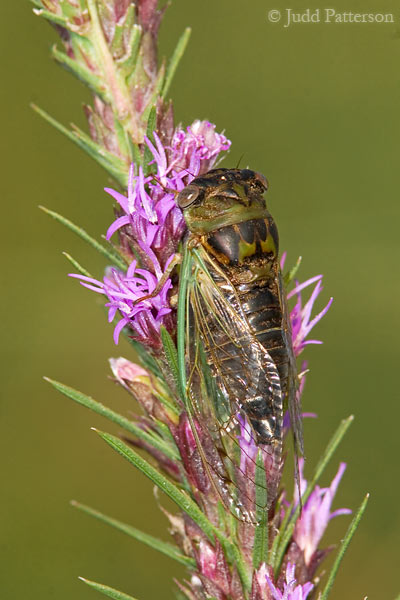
<point x="174" y="262"/>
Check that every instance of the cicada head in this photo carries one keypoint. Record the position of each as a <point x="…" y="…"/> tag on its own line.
<point x="223" y="197"/>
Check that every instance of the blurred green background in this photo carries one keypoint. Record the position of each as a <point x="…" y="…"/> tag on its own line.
<point x="314" y="107"/>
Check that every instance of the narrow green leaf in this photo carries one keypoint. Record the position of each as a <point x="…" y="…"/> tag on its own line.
<point x="93" y="82"/>
<point x="76" y="265"/>
<point x="282" y="540"/>
<point x="175" y="59"/>
<point x="114" y="165"/>
<point x="127" y="63"/>
<point x="151" y="127"/>
<point x="260" y="549"/>
<point x="137" y="157"/>
<point x="151" y="122"/>
<point x="170" y="353"/>
<point x="122" y="137"/>
<point x="182" y="500"/>
<point x="86" y="237"/>
<point x="181" y="320"/>
<point x="343" y="547"/>
<point x="289" y="276"/>
<point x="158" y="84"/>
<point x="163" y="547"/>
<point x="106" y="590"/>
<point x="120" y="420"/>
<point x="49" y="16"/>
<point x="126" y="25"/>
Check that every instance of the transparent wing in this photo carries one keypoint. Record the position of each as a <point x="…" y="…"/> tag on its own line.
<point x="292" y="401"/>
<point x="234" y="387"/>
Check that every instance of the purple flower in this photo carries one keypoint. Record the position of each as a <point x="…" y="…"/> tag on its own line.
<point x="196" y="150"/>
<point x="152" y="222"/>
<point x="316" y="514"/>
<point x="291" y="590"/>
<point x="300" y="315"/>
<point x="123" y="292"/>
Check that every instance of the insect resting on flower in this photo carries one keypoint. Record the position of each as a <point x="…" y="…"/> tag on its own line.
<point x="241" y="369"/>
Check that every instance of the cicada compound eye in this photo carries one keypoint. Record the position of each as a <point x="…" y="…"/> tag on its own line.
<point x="187" y="196"/>
<point x="262" y="179"/>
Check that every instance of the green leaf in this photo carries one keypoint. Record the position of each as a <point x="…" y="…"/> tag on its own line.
<point x="109" y="414"/>
<point x="289" y="276"/>
<point x="151" y="122"/>
<point x="86" y="237"/>
<point x="343" y="547"/>
<point x="184" y="275"/>
<point x="282" y="540"/>
<point x="170" y="353"/>
<point x="127" y="63"/>
<point x="156" y="92"/>
<point x="94" y="83"/>
<point x="107" y="591"/>
<point x="155" y="543"/>
<point x="260" y="549"/>
<point x="76" y="265"/>
<point x="151" y="126"/>
<point x="122" y="137"/>
<point x="126" y="25"/>
<point x="114" y="165"/>
<point x="137" y="158"/>
<point x="181" y="499"/>
<point x="53" y="18"/>
<point x="175" y="59"/>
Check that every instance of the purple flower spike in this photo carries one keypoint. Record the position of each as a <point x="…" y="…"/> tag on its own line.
<point x="151" y="226"/>
<point x="316" y="514"/>
<point x="300" y="315"/>
<point x="291" y="590"/>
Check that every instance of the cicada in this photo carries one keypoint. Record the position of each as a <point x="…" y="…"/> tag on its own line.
<point x="238" y="355"/>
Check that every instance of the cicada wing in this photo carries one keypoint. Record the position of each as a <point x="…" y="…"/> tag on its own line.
<point x="244" y="410"/>
<point x="293" y="397"/>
